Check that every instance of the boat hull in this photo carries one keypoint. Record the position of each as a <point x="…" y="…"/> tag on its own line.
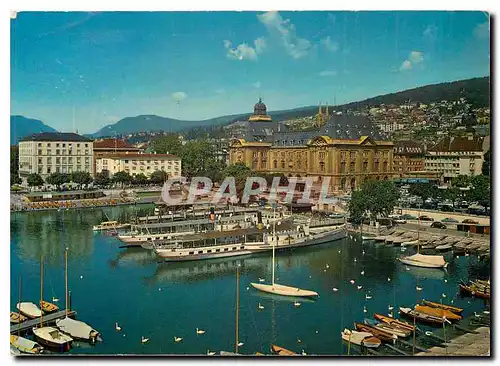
<point x="44" y="340"/>
<point x="420" y="264"/>
<point x="284" y="290"/>
<point x="24" y="345"/>
<point x="29" y="310"/>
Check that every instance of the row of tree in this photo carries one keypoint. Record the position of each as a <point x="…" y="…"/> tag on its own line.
<point x="375" y="198"/>
<point x="101" y="179"/>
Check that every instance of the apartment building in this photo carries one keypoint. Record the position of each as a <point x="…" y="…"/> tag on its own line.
<point x="49" y="152"/>
<point x="137" y="163"/>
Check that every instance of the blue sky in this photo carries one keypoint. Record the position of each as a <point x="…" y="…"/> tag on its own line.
<point x="95" y="68"/>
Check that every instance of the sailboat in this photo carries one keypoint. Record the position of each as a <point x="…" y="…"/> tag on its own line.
<point x="422" y="260"/>
<point x="75" y="328"/>
<point x="20" y="345"/>
<point x="49" y="336"/>
<point x="236" y="343"/>
<point x="278" y="289"/>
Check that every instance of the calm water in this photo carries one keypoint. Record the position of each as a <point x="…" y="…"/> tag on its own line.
<point x="163" y="300"/>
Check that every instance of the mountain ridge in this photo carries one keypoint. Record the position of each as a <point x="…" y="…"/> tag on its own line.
<point x="21" y="127"/>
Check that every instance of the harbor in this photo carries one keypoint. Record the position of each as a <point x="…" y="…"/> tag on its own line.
<point x="355" y="279"/>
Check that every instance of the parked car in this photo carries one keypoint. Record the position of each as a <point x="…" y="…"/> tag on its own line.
<point x="408" y="217"/>
<point x="449" y="220"/>
<point x="469" y="221"/>
<point x="425" y="218"/>
<point x="438" y="225"/>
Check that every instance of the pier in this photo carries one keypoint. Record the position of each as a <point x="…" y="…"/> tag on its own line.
<point x="470" y="344"/>
<point x="49" y="319"/>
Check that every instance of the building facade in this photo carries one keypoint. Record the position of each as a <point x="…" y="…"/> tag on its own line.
<point x="454" y="156"/>
<point x="104" y="147"/>
<point x="347" y="162"/>
<point x="409" y="157"/>
<point x="51" y="152"/>
<point x="137" y="163"/>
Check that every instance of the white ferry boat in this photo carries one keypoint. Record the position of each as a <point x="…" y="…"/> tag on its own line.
<point x="109" y="225"/>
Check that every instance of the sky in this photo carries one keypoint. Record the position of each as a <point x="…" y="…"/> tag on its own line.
<point x="82" y="71"/>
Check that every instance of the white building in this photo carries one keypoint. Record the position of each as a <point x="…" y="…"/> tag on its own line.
<point x="137" y="163"/>
<point x="455" y="156"/>
<point x="49" y="152"/>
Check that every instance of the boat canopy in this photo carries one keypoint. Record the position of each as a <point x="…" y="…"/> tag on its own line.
<point x="75" y="328"/>
<point x="431" y="259"/>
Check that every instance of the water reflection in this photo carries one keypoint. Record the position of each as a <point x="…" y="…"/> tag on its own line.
<point x="134" y="256"/>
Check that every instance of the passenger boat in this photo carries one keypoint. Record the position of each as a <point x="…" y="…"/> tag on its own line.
<point x="48" y="307"/>
<point x="443" y="306"/>
<point x="29" y="310"/>
<point x="25" y="345"/>
<point x="426" y="261"/>
<point x="379" y="333"/>
<point x="440" y="313"/>
<point x="425" y="318"/>
<point x="398" y="331"/>
<point x="17" y="318"/>
<point x="109" y="225"/>
<point x="394" y="322"/>
<point x="51" y="337"/>
<point x="360" y="338"/>
<point x="474" y="291"/>
<point x="280" y="351"/>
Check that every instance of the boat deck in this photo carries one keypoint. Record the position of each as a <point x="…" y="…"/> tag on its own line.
<point x="48" y="319"/>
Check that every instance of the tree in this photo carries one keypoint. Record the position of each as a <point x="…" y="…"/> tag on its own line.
<point x="197" y="158"/>
<point x="424" y="190"/>
<point x="169" y="144"/>
<point x="122" y="178"/>
<point x="158" y="177"/>
<point x="35" y="180"/>
<point x="216" y="171"/>
<point x="480" y="190"/>
<point x="58" y="179"/>
<point x="14" y="179"/>
<point x="140" y="179"/>
<point x="461" y="181"/>
<point x="357" y="207"/>
<point x="14" y="159"/>
<point x="102" y="179"/>
<point x="376" y="197"/>
<point x="487" y="163"/>
<point x="82" y="178"/>
<point x="240" y="172"/>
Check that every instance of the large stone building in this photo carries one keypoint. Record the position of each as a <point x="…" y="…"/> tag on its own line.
<point x="453" y="156"/>
<point x="137" y="163"/>
<point x="107" y="146"/>
<point x="409" y="157"/>
<point x="50" y="152"/>
<point x="348" y="149"/>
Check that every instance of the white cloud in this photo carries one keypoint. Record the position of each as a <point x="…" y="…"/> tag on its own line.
<point x="482" y="30"/>
<point x="405" y="65"/>
<point x="257" y="84"/>
<point x="179" y="96"/>
<point x="330" y="45"/>
<point x="244" y="51"/>
<point x="220" y="91"/>
<point x="431" y="31"/>
<point x="416" y="57"/>
<point x="328" y="73"/>
<point x="295" y="46"/>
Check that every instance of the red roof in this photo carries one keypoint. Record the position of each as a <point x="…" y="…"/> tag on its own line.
<point x="138" y="155"/>
<point x="114" y="144"/>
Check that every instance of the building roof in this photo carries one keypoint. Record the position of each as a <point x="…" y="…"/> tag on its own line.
<point x="56" y="136"/>
<point x="124" y="155"/>
<point x="455" y="144"/>
<point x="114" y="144"/>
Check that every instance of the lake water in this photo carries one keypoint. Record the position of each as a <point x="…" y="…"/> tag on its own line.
<point x="162" y="300"/>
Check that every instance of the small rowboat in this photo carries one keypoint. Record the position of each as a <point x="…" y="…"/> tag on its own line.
<point x="474" y="291"/>
<point x="25" y="345"/>
<point x="29" y="309"/>
<point x="17" y="318"/>
<point x="360" y="338"/>
<point x="48" y="307"/>
<point x="379" y="333"/>
<point x="399" y="324"/>
<point x="443" y="306"/>
<point x="437" y="312"/>
<point x="280" y="351"/>
<point x="444" y="247"/>
<point x="425" y="318"/>
<point x="409" y="243"/>
<point x="400" y="332"/>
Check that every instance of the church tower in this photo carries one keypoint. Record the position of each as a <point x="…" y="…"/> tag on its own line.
<point x="259" y="113"/>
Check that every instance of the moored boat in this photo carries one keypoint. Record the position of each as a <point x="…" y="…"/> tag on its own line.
<point x="51" y="337"/>
<point x="440" y="313"/>
<point x="394" y="322"/>
<point x="443" y="306"/>
<point x="443" y="248"/>
<point x="409" y="243"/>
<point x="398" y="331"/>
<point x="280" y="351"/>
<point x="284" y="290"/>
<point x="425" y="318"/>
<point x="29" y="310"/>
<point x="17" y="318"/>
<point x="25" y="345"/>
<point x="48" y="307"/>
<point x="77" y="329"/>
<point x="360" y="338"/>
<point x="379" y="333"/>
<point x="426" y="261"/>
<point x="109" y="225"/>
<point x="474" y="291"/>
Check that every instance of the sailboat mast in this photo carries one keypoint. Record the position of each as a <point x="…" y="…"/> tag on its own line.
<point x="237" y="305"/>
<point x="19" y="294"/>
<point x="274" y="240"/>
<point x="66" y="278"/>
<point x="41" y="289"/>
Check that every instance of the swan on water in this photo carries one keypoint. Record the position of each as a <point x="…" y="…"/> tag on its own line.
<point x="360" y="287"/>
<point x="388" y="279"/>
<point x="262" y="280"/>
<point x="362" y="273"/>
<point x="177" y="339"/>
<point x="407" y="268"/>
<point x="335" y="289"/>
<point x="200" y="331"/>
<point x="390" y="307"/>
<point x="304" y="353"/>
<point x="296" y="304"/>
<point x="352" y="282"/>
<point x="117" y="327"/>
<point x="260" y="306"/>
<point x="419" y="288"/>
<point x="240" y="344"/>
<point x="367" y="297"/>
<point x="55" y="299"/>
<point x="144" y="340"/>
<point x="443" y="294"/>
<point x="210" y="353"/>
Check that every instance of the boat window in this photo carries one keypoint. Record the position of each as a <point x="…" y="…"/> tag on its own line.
<point x="149" y="238"/>
<point x="191" y="252"/>
<point x="209" y="251"/>
<point x="242" y="247"/>
<point x="217" y="250"/>
<point x="200" y="252"/>
<point x="226" y="249"/>
<point x="234" y="248"/>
